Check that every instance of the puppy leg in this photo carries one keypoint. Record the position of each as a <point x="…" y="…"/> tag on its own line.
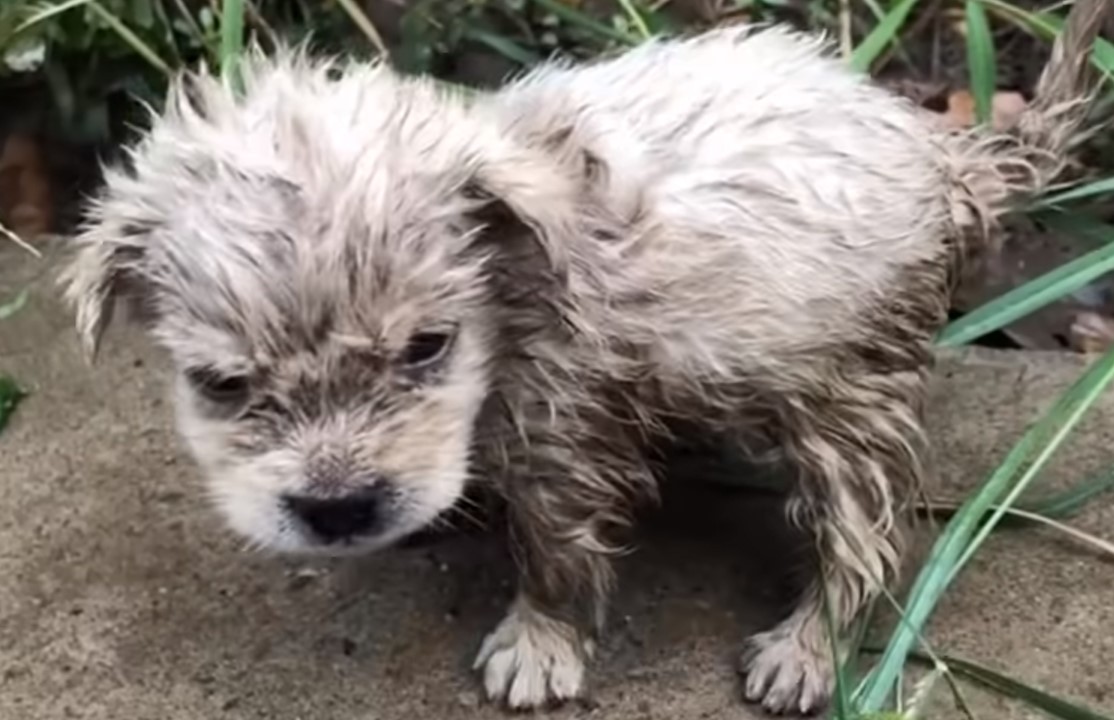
<point x="533" y="658"/>
<point x="855" y="442"/>
<point x="573" y="483"/>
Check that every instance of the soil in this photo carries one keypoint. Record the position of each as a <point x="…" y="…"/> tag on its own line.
<point x="125" y="597"/>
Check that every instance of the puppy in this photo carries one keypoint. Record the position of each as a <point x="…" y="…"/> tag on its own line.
<point x="377" y="292"/>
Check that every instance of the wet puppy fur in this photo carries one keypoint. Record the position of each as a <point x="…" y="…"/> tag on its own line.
<point x="378" y="293"/>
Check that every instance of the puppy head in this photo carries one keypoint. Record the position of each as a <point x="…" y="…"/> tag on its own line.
<point x="317" y="255"/>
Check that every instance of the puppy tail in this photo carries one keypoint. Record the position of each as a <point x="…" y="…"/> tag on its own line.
<point x="1066" y="87"/>
<point x="994" y="174"/>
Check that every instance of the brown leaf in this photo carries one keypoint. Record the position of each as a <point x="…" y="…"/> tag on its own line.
<point x="961" y="110"/>
<point x="1006" y="109"/>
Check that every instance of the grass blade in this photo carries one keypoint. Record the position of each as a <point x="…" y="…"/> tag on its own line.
<point x="842" y="701"/>
<point x="1048" y="25"/>
<point x="884" y="33"/>
<point x="48" y="12"/>
<point x="899" y="47"/>
<point x="918" y="699"/>
<point x="850" y="667"/>
<point x="20" y="242"/>
<point x="575" y="17"/>
<point x="504" y="46"/>
<point x="1082" y="192"/>
<point x="14" y="305"/>
<point x="232" y="42"/>
<point x="137" y="44"/>
<point x="967" y="529"/>
<point x="1075" y="402"/>
<point x="11" y="394"/>
<point x="190" y="22"/>
<point x="981" y="63"/>
<point x="1096" y="543"/>
<point x="1055" y="506"/>
<point x="945" y="508"/>
<point x="1034" y="294"/>
<point x="1034" y="697"/>
<point x="1093" y="230"/>
<point x="1070" y="501"/>
<point x="366" y="26"/>
<point x="636" y="19"/>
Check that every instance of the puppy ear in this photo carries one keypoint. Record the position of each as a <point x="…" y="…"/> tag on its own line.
<point x="105" y="268"/>
<point x="527" y="197"/>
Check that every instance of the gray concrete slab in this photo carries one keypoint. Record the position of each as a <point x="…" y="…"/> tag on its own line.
<point x="124" y="598"/>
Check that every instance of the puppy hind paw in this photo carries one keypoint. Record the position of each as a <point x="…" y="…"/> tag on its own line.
<point x="531" y="660"/>
<point x="784" y="675"/>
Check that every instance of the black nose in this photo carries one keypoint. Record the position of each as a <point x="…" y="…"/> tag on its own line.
<point x="336" y="518"/>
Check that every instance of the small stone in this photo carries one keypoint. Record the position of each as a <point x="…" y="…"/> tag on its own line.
<point x="302" y="577"/>
<point x="468" y="699"/>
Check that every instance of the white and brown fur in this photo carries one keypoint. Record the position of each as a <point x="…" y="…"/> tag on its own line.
<point x="369" y="282"/>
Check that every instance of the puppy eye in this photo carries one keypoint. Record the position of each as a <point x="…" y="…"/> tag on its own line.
<point x="223" y="389"/>
<point x="474" y="191"/>
<point x="425" y="348"/>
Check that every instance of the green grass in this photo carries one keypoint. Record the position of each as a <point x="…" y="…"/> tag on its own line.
<point x="981" y="61"/>
<point x="586" y="22"/>
<point x="1003" y="498"/>
<point x="14" y="305"/>
<point x="232" y="42"/>
<point x="361" y="20"/>
<point x="1097" y="189"/>
<point x="11" y="394"/>
<point x="1071" y="501"/>
<point x="970" y="527"/>
<point x="1036" y="293"/>
<point x="884" y="34"/>
<point x="1048" y="25"/>
<point x="1048" y="704"/>
<point x="141" y="47"/>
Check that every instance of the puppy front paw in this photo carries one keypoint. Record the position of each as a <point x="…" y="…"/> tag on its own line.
<point x="531" y="660"/>
<point x="785" y="674"/>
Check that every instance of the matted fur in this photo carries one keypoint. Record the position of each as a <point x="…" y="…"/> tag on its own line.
<point x="370" y="284"/>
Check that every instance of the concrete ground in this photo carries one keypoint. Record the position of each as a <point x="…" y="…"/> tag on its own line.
<point x="124" y="598"/>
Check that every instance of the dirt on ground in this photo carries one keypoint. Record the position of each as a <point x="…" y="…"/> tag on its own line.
<point x="124" y="596"/>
